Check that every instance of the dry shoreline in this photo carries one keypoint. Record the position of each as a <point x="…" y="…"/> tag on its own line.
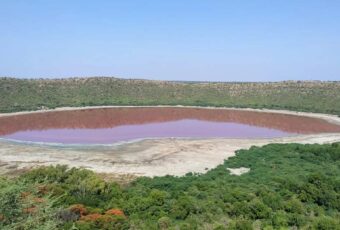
<point x="156" y="157"/>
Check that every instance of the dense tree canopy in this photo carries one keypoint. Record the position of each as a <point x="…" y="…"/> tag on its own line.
<point x="288" y="186"/>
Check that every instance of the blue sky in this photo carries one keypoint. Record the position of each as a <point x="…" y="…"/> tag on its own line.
<point x="173" y="40"/>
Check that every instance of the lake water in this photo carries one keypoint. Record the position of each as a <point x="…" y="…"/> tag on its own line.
<point x="111" y="125"/>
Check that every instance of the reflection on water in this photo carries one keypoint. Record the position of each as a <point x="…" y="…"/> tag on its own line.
<point x="121" y="124"/>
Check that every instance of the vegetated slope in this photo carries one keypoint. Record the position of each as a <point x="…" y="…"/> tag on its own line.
<point x="289" y="186"/>
<point x="19" y="95"/>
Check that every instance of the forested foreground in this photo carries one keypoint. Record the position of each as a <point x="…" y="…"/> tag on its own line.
<point x="289" y="186"/>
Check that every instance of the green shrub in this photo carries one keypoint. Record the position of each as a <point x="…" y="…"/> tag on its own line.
<point x="301" y="192"/>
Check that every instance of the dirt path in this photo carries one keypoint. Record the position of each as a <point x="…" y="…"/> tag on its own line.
<point x="148" y="157"/>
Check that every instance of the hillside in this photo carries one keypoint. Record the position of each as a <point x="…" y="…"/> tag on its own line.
<point x="313" y="96"/>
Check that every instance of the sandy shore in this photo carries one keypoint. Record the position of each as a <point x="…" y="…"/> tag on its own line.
<point x="155" y="157"/>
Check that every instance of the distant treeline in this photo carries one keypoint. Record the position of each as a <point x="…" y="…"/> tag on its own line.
<point x="25" y="94"/>
<point x="289" y="186"/>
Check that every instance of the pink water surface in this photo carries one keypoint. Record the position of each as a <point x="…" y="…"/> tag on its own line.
<point x="185" y="128"/>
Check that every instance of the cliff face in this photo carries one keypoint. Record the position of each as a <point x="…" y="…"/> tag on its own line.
<point x="313" y="96"/>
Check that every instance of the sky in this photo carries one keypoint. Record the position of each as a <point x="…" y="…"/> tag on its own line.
<point x="190" y="40"/>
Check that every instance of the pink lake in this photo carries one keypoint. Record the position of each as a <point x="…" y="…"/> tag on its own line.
<point x="107" y="126"/>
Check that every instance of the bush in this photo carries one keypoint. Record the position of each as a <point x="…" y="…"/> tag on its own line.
<point x="326" y="223"/>
<point x="300" y="192"/>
